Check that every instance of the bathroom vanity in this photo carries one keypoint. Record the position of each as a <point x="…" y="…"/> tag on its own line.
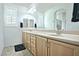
<point x="50" y="44"/>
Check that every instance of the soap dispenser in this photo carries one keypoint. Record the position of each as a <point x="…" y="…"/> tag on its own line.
<point x="21" y="25"/>
<point x="35" y="25"/>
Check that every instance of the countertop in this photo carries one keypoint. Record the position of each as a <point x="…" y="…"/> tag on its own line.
<point x="67" y="38"/>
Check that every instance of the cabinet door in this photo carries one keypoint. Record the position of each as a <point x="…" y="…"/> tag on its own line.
<point x="41" y="47"/>
<point x="24" y="38"/>
<point x="33" y="44"/>
<point x="76" y="53"/>
<point x="28" y="40"/>
<point x="56" y="48"/>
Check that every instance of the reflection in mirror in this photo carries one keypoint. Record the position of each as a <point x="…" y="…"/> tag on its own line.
<point x="60" y="20"/>
<point x="28" y="21"/>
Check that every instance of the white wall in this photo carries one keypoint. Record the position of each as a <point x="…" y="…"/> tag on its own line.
<point x="74" y="26"/>
<point x="12" y="34"/>
<point x="49" y="19"/>
<point x="1" y="29"/>
<point x="40" y="20"/>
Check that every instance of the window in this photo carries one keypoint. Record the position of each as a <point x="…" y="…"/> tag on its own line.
<point x="10" y="16"/>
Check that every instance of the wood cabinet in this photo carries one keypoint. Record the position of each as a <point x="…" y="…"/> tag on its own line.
<point x="33" y="44"/>
<point x="76" y="51"/>
<point x="41" y="46"/>
<point x="26" y="40"/>
<point x="23" y="36"/>
<point x="56" y="48"/>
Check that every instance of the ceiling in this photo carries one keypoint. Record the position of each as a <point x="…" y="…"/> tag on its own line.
<point x="41" y="7"/>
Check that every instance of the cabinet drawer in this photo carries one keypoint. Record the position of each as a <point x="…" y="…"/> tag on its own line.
<point x="33" y="50"/>
<point x="32" y="41"/>
<point x="32" y="45"/>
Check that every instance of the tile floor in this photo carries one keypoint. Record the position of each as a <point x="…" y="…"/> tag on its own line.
<point x="10" y="51"/>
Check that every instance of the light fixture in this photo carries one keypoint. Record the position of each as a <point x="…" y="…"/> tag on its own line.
<point x="32" y="9"/>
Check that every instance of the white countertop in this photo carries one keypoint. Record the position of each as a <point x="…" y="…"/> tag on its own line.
<point x="68" y="38"/>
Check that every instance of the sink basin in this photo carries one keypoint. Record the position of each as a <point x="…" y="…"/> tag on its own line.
<point x="53" y="34"/>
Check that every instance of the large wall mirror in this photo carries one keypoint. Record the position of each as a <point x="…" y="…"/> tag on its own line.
<point x="54" y="16"/>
